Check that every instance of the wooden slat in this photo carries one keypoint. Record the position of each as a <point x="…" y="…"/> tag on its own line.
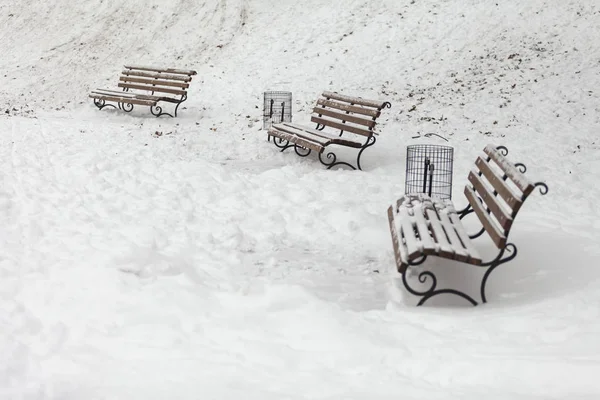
<point x="348" y="108"/>
<point x="181" y="78"/>
<point x="293" y="131"/>
<point x="354" y="100"/>
<point x="324" y="135"/>
<point x="491" y="228"/>
<point x="491" y="201"/>
<point x="438" y="233"/>
<point x="126" y="94"/>
<point x="160" y="69"/>
<point x="123" y="100"/>
<point x="510" y="170"/>
<point x="474" y="257"/>
<point x="114" y="92"/>
<point x="345" y="117"/>
<point x="160" y="82"/>
<point x="344" y="127"/>
<point x="414" y="246"/>
<point x="510" y="197"/>
<point x="400" y="254"/>
<point x="460" y="252"/>
<point x="429" y="246"/>
<point x="152" y="88"/>
<point x="297" y="140"/>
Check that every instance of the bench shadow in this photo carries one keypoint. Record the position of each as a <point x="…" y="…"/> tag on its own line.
<point x="548" y="265"/>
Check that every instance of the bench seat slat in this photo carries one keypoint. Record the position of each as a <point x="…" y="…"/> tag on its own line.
<point x="306" y="143"/>
<point x="128" y="100"/>
<point x="325" y="135"/>
<point x="126" y="94"/>
<point x="340" y="126"/>
<point x="474" y="257"/>
<point x="159" y="69"/>
<point x="439" y="235"/>
<point x="429" y="246"/>
<point x="460" y="252"/>
<point x="400" y="254"/>
<point x="413" y="244"/>
<point x="298" y="132"/>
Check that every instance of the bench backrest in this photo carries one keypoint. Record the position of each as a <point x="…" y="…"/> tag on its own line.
<point x="156" y="80"/>
<point x="348" y="114"/>
<point x="496" y="192"/>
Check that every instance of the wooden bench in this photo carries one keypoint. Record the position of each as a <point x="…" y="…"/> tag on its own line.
<point x="354" y="116"/>
<point x="421" y="226"/>
<point x="146" y="86"/>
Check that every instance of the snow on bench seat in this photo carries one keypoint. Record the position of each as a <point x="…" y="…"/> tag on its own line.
<point x="427" y="227"/>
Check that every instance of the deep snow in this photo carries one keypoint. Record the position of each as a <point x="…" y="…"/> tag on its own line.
<point x="200" y="262"/>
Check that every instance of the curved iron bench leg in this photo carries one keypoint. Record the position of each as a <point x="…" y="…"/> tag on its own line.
<point x="157" y="111"/>
<point x="183" y="98"/>
<point x="499" y="260"/>
<point x="332" y="158"/>
<point x="432" y="291"/>
<point x="101" y="103"/>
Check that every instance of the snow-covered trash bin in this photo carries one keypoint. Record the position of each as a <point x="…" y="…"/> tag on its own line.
<point x="429" y="170"/>
<point x="277" y="108"/>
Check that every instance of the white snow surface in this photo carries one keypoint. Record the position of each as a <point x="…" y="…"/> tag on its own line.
<point x="187" y="258"/>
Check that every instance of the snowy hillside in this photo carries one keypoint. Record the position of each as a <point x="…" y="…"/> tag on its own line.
<point x="187" y="258"/>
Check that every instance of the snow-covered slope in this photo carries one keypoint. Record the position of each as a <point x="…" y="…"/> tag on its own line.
<point x="145" y="258"/>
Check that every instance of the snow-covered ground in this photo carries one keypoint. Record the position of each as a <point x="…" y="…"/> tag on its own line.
<point x="186" y="258"/>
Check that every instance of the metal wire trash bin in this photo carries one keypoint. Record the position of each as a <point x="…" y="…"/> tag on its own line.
<point x="429" y="170"/>
<point x="277" y="108"/>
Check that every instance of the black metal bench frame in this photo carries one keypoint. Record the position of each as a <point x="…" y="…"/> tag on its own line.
<point x="147" y="79"/>
<point x="301" y="138"/>
<point x="487" y="201"/>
